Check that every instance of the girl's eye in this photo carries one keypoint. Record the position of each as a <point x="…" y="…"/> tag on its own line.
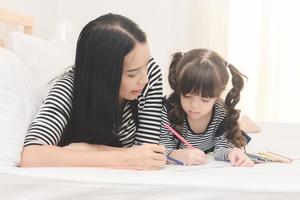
<point x="187" y="96"/>
<point x="206" y="100"/>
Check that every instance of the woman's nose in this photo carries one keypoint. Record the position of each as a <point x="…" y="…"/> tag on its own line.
<point x="144" y="79"/>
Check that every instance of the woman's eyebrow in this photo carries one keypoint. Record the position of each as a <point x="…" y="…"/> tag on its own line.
<point x="137" y="68"/>
<point x="134" y="69"/>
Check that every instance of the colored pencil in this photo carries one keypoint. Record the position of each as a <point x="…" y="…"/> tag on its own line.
<point x="178" y="136"/>
<point x="280" y="156"/>
<point x="256" y="157"/>
<point x="177" y="162"/>
<point x="268" y="157"/>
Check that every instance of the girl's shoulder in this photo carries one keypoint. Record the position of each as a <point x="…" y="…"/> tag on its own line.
<point x="220" y="107"/>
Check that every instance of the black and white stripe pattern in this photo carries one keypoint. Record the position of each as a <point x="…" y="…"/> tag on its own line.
<point x="55" y="112"/>
<point x="203" y="141"/>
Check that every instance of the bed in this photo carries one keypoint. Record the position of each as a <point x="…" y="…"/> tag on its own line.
<point x="216" y="180"/>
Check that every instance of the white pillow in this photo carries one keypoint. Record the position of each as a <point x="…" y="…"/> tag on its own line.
<point x="18" y="103"/>
<point x="45" y="59"/>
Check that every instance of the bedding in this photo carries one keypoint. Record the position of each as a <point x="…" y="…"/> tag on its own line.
<point x="26" y="70"/>
<point x="17" y="106"/>
<point x="217" y="180"/>
<point x="45" y="59"/>
<point x="269" y="181"/>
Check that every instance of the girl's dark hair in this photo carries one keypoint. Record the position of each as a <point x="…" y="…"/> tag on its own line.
<point x="101" y="48"/>
<point x="202" y="71"/>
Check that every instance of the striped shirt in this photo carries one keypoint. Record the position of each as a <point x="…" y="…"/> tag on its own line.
<point x="207" y="141"/>
<point x="55" y="112"/>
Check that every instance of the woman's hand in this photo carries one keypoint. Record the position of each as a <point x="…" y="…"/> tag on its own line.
<point x="190" y="156"/>
<point x="238" y="158"/>
<point x="146" y="156"/>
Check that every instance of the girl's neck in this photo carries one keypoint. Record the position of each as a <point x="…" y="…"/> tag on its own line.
<point x="199" y="125"/>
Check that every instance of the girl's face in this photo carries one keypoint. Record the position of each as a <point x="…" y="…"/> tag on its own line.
<point x="135" y="68"/>
<point x="195" y="106"/>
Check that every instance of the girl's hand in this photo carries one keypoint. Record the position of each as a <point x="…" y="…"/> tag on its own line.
<point x="145" y="156"/>
<point x="190" y="156"/>
<point x="238" y="158"/>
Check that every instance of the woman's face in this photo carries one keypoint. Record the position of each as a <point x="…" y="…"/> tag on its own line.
<point x="135" y="68"/>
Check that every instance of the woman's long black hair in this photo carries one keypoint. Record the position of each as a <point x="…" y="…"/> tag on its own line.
<point x="202" y="71"/>
<point x="101" y="48"/>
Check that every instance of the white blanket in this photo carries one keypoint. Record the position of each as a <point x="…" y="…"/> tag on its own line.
<point x="216" y="180"/>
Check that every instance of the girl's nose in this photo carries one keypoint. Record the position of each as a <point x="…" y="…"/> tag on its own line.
<point x="194" y="104"/>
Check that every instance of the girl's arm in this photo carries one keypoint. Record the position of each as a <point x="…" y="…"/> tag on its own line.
<point x="150" y="107"/>
<point x="225" y="150"/>
<point x="222" y="148"/>
<point x="146" y="156"/>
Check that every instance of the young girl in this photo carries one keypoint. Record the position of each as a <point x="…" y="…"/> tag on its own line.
<point x="197" y="112"/>
<point x="111" y="98"/>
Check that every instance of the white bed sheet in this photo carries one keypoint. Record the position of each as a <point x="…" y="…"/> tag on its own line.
<point x="217" y="180"/>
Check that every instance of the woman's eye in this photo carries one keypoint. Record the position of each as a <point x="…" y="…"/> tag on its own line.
<point x="131" y="75"/>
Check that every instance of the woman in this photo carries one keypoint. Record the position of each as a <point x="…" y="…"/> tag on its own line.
<point x="110" y="99"/>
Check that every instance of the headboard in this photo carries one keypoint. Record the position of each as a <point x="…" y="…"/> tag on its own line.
<point x="14" y="19"/>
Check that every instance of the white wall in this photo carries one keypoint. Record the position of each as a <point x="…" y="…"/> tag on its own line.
<point x="44" y="13"/>
<point x="171" y="25"/>
<point x="165" y="22"/>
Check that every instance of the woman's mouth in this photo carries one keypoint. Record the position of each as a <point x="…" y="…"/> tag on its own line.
<point x="137" y="92"/>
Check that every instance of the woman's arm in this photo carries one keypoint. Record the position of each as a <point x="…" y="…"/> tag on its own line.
<point x="146" y="156"/>
<point x="91" y="147"/>
<point x="55" y="112"/>
<point x="166" y="138"/>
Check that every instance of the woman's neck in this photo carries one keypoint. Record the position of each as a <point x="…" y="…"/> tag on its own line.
<point x="122" y="103"/>
<point x="199" y="125"/>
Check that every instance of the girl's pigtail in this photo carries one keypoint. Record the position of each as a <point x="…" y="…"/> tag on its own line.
<point x="176" y="113"/>
<point x="234" y="132"/>
<point x="172" y="69"/>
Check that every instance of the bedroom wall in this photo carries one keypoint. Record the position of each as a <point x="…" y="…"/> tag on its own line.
<point x="173" y="25"/>
<point x="43" y="12"/>
<point x="168" y="23"/>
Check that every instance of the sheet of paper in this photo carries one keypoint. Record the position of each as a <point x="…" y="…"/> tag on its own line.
<point x="212" y="163"/>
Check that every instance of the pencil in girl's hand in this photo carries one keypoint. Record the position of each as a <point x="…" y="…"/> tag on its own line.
<point x="177" y="162"/>
<point x="178" y="136"/>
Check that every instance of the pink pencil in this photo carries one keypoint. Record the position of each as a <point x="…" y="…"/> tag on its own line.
<point x="178" y="136"/>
